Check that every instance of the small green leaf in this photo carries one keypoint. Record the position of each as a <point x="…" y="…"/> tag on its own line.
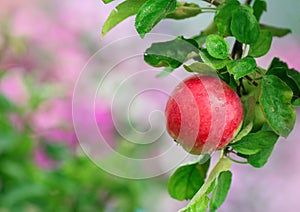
<point x="200" y="205"/>
<point x="249" y="112"/>
<point x="223" y="17"/>
<point x="277" y="63"/>
<point x="275" y="31"/>
<point x="258" y="146"/>
<point x="231" y="2"/>
<point x="259" y="7"/>
<point x="224" y="164"/>
<point x="211" y="187"/>
<point x="259" y="118"/>
<point x="200" y="39"/>
<point x="171" y="53"/>
<point x="152" y="12"/>
<point x="244" y="25"/>
<point x="200" y="68"/>
<point x="122" y="11"/>
<point x="276" y="99"/>
<point x="217" y="47"/>
<point x="187" y="180"/>
<point x="262" y="45"/>
<point x="185" y="10"/>
<point x="165" y="72"/>
<point x="221" y="190"/>
<point x="296" y="102"/>
<point x="255" y="142"/>
<point x="295" y="75"/>
<point x="244" y="131"/>
<point x="290" y="76"/>
<point x="213" y="62"/>
<point x="107" y="1"/>
<point x="228" y="78"/>
<point x="259" y="159"/>
<point x="240" y="68"/>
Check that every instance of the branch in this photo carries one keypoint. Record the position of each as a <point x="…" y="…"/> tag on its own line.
<point x="251" y="80"/>
<point x="237" y="50"/>
<point x="248" y="2"/>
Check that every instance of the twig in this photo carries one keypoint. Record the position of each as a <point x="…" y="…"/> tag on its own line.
<point x="251" y="80"/>
<point x="237" y="50"/>
<point x="248" y="2"/>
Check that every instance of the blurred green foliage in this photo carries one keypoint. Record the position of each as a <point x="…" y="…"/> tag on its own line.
<point x="76" y="184"/>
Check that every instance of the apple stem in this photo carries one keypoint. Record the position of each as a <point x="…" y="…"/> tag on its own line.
<point x="222" y="154"/>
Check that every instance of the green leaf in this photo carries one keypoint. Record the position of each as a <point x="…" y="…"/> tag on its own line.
<point x="13" y="169"/>
<point x="6" y="105"/>
<point x="257" y="147"/>
<point x="56" y="151"/>
<point x="255" y="142"/>
<point x="217" y="47"/>
<point x="259" y="159"/>
<point x="200" y="206"/>
<point x="244" y="26"/>
<point x="25" y="192"/>
<point x="240" y="68"/>
<point x="221" y="190"/>
<point x="200" y="39"/>
<point x="224" y="164"/>
<point x="171" y="53"/>
<point x="152" y="12"/>
<point x="228" y="78"/>
<point x="249" y="112"/>
<point x="276" y="99"/>
<point x="9" y="136"/>
<point x="259" y="118"/>
<point x="185" y="10"/>
<point x="165" y="72"/>
<point x="213" y="62"/>
<point x="210" y="29"/>
<point x="124" y="10"/>
<point x="187" y="180"/>
<point x="211" y="187"/>
<point x="107" y="1"/>
<point x="262" y="45"/>
<point x="290" y="76"/>
<point x="259" y="7"/>
<point x="277" y="63"/>
<point x="275" y="31"/>
<point x="200" y="68"/>
<point x="295" y="76"/>
<point x="223" y="17"/>
<point x="296" y="102"/>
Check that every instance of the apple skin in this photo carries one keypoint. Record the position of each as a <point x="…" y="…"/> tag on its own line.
<point x="203" y="114"/>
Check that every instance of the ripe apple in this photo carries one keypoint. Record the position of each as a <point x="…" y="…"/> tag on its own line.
<point x="203" y="114"/>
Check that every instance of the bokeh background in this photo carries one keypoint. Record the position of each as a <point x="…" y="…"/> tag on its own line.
<point x="44" y="45"/>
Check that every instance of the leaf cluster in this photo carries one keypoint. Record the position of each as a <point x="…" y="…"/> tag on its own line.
<point x="269" y="96"/>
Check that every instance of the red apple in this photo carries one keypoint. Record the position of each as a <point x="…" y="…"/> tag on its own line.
<point x="203" y="114"/>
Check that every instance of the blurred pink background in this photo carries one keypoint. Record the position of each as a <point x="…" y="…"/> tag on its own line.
<point x="45" y="45"/>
